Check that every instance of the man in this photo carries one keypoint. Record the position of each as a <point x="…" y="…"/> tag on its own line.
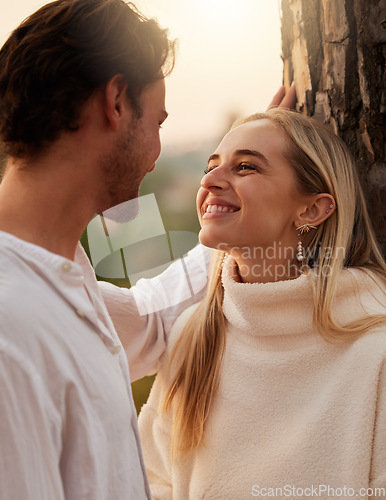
<point x="81" y="102"/>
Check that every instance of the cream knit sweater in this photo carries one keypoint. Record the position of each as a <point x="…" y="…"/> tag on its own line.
<point x="294" y="416"/>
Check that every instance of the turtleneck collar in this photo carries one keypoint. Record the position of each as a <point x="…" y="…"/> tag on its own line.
<point x="286" y="307"/>
<point x="277" y="308"/>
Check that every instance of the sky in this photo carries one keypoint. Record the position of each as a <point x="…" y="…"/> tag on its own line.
<point x="228" y="61"/>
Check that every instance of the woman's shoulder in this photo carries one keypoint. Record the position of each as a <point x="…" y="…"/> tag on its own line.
<point x="360" y="291"/>
<point x="178" y="326"/>
<point x="165" y="373"/>
<point x="365" y="277"/>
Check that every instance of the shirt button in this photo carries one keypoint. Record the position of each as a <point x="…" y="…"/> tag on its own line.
<point x="117" y="349"/>
<point x="80" y="313"/>
<point x="66" y="267"/>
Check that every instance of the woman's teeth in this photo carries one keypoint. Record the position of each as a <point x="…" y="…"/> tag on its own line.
<point x="210" y="209"/>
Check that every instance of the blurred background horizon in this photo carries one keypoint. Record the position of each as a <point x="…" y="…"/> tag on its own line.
<point x="228" y="62"/>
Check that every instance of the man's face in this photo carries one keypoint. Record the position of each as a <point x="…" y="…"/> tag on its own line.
<point x="137" y="148"/>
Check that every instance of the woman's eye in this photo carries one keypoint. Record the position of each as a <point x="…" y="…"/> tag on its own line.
<point x="243" y="167"/>
<point x="246" y="166"/>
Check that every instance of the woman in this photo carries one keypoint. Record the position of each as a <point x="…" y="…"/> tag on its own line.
<point x="277" y="379"/>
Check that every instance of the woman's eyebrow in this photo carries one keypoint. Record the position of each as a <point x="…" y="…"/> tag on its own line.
<point x="213" y="157"/>
<point x="252" y="152"/>
<point x="243" y="152"/>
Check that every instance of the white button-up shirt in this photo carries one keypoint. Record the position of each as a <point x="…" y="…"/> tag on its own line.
<point x="68" y="426"/>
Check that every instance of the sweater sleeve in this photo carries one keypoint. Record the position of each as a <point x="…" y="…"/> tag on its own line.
<point x="378" y="465"/>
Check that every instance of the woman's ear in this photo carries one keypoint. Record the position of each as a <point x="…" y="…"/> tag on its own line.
<point x="319" y="208"/>
<point x="115" y="100"/>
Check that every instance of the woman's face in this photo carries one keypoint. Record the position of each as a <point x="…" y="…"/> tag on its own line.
<point x="249" y="198"/>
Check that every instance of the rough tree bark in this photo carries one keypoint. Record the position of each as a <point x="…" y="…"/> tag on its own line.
<point x="335" y="50"/>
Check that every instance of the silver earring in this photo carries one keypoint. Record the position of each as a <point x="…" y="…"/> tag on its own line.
<point x="331" y="206"/>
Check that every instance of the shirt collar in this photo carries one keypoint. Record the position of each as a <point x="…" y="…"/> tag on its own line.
<point x="75" y="281"/>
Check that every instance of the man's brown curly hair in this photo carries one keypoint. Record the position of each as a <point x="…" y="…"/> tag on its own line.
<point x="57" y="57"/>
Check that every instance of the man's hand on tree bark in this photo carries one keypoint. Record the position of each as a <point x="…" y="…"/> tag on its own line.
<point x="284" y="98"/>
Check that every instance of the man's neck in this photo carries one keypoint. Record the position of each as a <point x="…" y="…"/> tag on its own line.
<point x="45" y="205"/>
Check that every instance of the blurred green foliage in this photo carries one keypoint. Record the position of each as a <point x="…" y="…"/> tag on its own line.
<point x="141" y="389"/>
<point x="175" y="182"/>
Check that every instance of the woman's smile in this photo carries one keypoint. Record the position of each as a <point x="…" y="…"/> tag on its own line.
<point x="217" y="207"/>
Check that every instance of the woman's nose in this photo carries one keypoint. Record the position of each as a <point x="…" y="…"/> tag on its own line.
<point x="214" y="179"/>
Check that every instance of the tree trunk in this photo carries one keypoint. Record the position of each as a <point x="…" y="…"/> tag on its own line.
<point x="335" y="50"/>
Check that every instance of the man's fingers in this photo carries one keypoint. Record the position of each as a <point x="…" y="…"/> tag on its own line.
<point x="284" y="99"/>
<point x="289" y="100"/>
<point x="278" y="97"/>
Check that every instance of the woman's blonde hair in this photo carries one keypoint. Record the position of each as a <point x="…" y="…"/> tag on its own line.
<point x="322" y="164"/>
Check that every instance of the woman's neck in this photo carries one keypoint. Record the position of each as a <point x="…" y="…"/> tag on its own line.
<point x="277" y="263"/>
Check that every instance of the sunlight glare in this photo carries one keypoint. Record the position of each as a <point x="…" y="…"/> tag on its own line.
<point x="221" y="11"/>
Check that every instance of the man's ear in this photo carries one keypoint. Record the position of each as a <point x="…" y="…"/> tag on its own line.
<point x="319" y="208"/>
<point x="115" y="100"/>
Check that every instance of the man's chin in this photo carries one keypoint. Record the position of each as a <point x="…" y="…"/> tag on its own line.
<point x="123" y="212"/>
